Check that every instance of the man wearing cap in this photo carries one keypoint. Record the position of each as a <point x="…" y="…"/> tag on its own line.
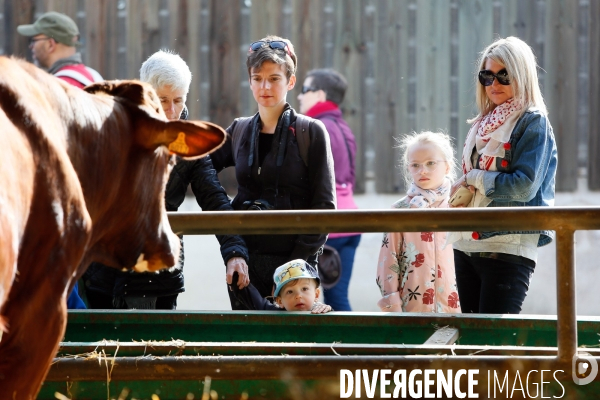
<point x="54" y="40"/>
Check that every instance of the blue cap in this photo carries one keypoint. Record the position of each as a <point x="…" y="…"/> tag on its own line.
<point x="290" y="271"/>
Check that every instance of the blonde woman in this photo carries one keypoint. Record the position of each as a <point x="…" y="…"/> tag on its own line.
<point x="509" y="160"/>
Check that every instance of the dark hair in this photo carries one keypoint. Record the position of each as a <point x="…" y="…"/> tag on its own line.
<point x="278" y="56"/>
<point x="331" y="82"/>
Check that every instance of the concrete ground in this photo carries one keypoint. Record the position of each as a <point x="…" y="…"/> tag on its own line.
<point x="205" y="271"/>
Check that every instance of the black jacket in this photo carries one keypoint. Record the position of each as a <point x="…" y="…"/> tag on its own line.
<point x="211" y="196"/>
<point x="292" y="186"/>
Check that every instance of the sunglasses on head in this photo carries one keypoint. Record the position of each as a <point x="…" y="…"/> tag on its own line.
<point x="275" y="45"/>
<point x="486" y="77"/>
<point x="306" y="89"/>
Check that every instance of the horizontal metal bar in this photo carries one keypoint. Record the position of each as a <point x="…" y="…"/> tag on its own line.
<point x="405" y="220"/>
<point x="280" y="367"/>
<point x="181" y="348"/>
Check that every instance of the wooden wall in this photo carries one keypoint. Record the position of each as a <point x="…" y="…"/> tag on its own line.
<point x="410" y="63"/>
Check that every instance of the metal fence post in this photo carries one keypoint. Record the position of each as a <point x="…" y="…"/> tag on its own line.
<point x="565" y="294"/>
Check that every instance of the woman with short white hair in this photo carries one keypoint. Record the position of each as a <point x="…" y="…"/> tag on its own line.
<point x="170" y="77"/>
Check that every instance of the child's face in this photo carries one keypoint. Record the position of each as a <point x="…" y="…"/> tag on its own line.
<point x="427" y="166"/>
<point x="298" y="295"/>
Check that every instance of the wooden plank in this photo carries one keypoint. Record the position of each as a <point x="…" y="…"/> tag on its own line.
<point x="475" y="32"/>
<point x="583" y="82"/>
<point x="2" y="25"/>
<point x="95" y="31"/>
<point x="348" y="63"/>
<point x="15" y="14"/>
<point x="367" y="76"/>
<point x="454" y="130"/>
<point x="224" y="56"/>
<point x="433" y="92"/>
<point x="247" y="103"/>
<point x="594" y="99"/>
<point x="193" y="17"/>
<point x="327" y="34"/>
<point x="135" y="37"/>
<point x="387" y="77"/>
<point x="446" y="335"/>
<point x="561" y="81"/>
<point x="203" y="79"/>
<point x="111" y="44"/>
<point x="122" y="40"/>
<point x="151" y="28"/>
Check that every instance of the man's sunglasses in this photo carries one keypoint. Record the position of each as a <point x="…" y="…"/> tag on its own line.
<point x="275" y="45"/>
<point x="306" y="89"/>
<point x="486" y="77"/>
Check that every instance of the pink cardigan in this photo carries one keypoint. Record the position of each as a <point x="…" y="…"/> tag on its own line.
<point x="415" y="273"/>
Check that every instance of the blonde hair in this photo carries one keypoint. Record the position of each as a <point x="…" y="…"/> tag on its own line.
<point x="439" y="139"/>
<point x="517" y="57"/>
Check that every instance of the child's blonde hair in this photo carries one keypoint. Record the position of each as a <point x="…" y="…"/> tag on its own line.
<point x="439" y="139"/>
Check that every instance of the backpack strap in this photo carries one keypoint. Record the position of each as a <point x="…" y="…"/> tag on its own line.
<point x="302" y="136"/>
<point x="241" y="124"/>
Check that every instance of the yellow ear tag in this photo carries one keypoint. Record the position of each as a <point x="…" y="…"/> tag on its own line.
<point x="178" y="145"/>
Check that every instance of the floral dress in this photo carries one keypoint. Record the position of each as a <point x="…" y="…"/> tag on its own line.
<point x="415" y="272"/>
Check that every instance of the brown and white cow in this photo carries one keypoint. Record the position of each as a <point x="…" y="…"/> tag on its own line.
<point x="82" y="177"/>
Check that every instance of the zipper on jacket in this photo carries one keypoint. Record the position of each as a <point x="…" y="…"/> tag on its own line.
<point x="259" y="170"/>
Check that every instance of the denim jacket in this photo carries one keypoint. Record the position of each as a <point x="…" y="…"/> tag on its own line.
<point x="526" y="174"/>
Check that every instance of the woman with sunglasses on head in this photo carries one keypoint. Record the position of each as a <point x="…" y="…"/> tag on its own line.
<point x="509" y="160"/>
<point x="282" y="161"/>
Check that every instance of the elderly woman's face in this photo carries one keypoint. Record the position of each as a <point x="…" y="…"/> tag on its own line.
<point x="172" y="101"/>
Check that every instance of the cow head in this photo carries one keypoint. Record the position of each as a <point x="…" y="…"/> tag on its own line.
<point x="130" y="225"/>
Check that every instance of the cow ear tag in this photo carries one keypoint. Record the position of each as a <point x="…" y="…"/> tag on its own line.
<point x="179" y="146"/>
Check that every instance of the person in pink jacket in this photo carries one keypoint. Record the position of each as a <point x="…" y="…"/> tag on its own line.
<point x="415" y="272"/>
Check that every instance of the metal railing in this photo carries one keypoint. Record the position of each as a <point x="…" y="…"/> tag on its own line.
<point x="563" y="220"/>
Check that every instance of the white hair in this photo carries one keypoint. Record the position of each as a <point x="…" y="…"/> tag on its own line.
<point x="439" y="139"/>
<point x="166" y="68"/>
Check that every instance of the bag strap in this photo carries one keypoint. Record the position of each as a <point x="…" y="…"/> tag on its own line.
<point x="236" y="136"/>
<point x="302" y="136"/>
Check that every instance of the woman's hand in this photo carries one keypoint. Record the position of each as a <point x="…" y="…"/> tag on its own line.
<point x="320" y="308"/>
<point x="238" y="264"/>
<point x="461" y="182"/>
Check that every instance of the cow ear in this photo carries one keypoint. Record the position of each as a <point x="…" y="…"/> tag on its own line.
<point x="191" y="139"/>
<point x="130" y="90"/>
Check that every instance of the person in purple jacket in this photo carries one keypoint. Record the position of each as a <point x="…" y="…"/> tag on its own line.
<point x="322" y="92"/>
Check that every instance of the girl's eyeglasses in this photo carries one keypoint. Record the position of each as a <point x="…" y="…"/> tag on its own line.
<point x="275" y="45"/>
<point x="429" y="166"/>
<point x="486" y="77"/>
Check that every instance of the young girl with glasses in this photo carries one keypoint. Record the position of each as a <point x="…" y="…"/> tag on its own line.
<point x="509" y="160"/>
<point x="415" y="272"/>
<point x="273" y="170"/>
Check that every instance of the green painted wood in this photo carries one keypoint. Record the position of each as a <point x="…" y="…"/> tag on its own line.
<point x="373" y="328"/>
<point x="180" y="390"/>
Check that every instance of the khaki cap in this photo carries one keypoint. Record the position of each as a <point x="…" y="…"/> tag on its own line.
<point x="54" y="25"/>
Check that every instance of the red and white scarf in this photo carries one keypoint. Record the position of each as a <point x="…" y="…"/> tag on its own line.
<point x="427" y="198"/>
<point x="490" y="135"/>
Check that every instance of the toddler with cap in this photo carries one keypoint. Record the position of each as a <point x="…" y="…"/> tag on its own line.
<point x="296" y="289"/>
